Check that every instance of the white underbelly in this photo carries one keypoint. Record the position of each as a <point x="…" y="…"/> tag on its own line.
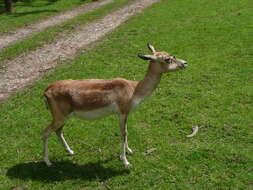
<point x="97" y="113"/>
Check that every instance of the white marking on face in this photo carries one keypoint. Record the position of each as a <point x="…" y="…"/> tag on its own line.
<point x="97" y="113"/>
<point x="173" y="67"/>
<point x="180" y="61"/>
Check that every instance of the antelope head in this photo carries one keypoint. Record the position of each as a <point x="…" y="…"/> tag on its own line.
<point x="162" y="61"/>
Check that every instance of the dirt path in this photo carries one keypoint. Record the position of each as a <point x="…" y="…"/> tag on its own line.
<point x="23" y="70"/>
<point x="21" y="33"/>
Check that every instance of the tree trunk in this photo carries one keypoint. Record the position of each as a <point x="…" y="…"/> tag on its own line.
<point x="8" y="6"/>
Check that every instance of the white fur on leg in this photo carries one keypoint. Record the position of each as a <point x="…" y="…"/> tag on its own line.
<point x="47" y="161"/>
<point x="129" y="150"/>
<point x="123" y="156"/>
<point x="64" y="142"/>
<point x="123" y="131"/>
<point x="125" y="161"/>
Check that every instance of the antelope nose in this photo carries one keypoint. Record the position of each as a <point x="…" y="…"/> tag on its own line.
<point x="185" y="64"/>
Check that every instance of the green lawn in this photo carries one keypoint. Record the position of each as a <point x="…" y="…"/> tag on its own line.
<point x="51" y="34"/>
<point x="28" y="11"/>
<point x="215" y="37"/>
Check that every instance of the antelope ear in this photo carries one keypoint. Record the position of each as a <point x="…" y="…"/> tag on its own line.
<point x="147" y="57"/>
<point x="151" y="48"/>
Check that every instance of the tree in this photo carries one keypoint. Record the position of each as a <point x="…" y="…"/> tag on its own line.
<point x="8" y="6"/>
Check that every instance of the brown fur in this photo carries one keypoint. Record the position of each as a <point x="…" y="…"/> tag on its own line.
<point x="90" y="94"/>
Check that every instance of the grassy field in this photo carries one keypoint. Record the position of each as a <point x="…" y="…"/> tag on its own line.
<point x="28" y="11"/>
<point x="53" y="33"/>
<point x="215" y="37"/>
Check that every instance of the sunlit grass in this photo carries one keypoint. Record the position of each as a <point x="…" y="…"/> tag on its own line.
<point x="28" y="11"/>
<point x="214" y="92"/>
<point x="53" y="33"/>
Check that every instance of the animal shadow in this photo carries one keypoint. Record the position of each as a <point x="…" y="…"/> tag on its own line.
<point x="63" y="170"/>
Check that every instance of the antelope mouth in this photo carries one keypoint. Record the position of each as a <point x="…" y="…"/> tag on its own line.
<point x="183" y="65"/>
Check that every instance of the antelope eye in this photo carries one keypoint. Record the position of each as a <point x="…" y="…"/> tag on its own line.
<point x="168" y="60"/>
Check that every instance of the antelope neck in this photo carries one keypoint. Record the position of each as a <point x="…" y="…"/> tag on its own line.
<point x="146" y="86"/>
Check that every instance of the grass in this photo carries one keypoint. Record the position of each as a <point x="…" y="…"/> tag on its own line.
<point x="28" y="11"/>
<point x="215" y="37"/>
<point x="53" y="33"/>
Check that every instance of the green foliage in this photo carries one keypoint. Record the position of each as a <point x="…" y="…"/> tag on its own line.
<point x="215" y="37"/>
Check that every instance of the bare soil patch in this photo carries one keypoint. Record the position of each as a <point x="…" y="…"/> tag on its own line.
<point x="23" y="70"/>
<point x="21" y="33"/>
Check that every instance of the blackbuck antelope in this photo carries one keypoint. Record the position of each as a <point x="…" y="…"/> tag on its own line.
<point x="96" y="98"/>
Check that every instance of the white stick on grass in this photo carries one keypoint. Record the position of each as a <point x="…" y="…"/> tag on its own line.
<point x="194" y="131"/>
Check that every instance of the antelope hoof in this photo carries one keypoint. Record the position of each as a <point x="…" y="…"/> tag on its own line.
<point x="127" y="165"/>
<point x="129" y="151"/>
<point x="71" y="152"/>
<point x="48" y="163"/>
<point x="125" y="162"/>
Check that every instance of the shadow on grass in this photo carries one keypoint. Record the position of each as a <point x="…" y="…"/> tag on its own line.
<point x="29" y="3"/>
<point x="32" y="12"/>
<point x="63" y="171"/>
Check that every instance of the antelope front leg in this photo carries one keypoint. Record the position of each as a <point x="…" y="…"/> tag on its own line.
<point x="129" y="150"/>
<point x="123" y="131"/>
